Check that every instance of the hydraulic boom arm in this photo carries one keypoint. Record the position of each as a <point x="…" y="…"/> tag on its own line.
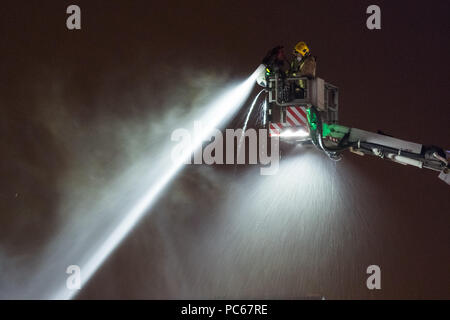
<point x="334" y="139"/>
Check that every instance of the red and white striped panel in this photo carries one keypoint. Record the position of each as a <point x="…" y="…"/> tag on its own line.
<point x="275" y="128"/>
<point x="296" y="116"/>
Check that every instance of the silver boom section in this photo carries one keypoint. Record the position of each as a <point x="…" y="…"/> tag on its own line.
<point x="383" y="140"/>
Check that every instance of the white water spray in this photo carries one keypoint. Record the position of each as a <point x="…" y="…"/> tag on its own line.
<point x="241" y="139"/>
<point x="217" y="113"/>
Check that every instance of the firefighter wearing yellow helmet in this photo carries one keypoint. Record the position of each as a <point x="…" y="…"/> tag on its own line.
<point x="301" y="48"/>
<point x="303" y="64"/>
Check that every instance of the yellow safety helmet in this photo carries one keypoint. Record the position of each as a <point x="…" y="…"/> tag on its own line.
<point x="301" y="48"/>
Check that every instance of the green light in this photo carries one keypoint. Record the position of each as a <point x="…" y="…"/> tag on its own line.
<point x="325" y="130"/>
<point x="312" y="119"/>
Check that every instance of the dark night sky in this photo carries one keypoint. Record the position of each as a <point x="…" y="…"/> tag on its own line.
<point x="394" y="79"/>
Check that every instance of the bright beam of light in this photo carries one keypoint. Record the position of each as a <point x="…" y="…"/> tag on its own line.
<point x="289" y="133"/>
<point x="217" y="113"/>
